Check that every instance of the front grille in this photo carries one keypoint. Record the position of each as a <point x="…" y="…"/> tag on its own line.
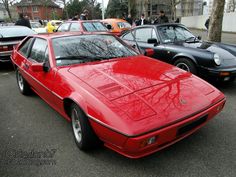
<point x="190" y="126"/>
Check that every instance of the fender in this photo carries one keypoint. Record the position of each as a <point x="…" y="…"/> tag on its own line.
<point x="184" y="55"/>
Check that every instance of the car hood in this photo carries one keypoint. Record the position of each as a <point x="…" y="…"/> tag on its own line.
<point x="225" y="51"/>
<point x="145" y="89"/>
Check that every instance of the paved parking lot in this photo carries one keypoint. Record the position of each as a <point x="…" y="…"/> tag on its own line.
<point x="36" y="141"/>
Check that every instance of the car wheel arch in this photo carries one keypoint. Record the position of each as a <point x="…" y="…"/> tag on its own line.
<point x="189" y="57"/>
<point x="67" y="102"/>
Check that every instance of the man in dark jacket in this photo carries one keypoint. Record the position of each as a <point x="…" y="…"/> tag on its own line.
<point x="22" y="21"/>
<point x="162" y="18"/>
<point x="129" y="20"/>
<point x="84" y="15"/>
<point x="142" y="21"/>
<point x="207" y="23"/>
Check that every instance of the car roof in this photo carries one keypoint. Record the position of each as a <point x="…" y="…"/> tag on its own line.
<point x="81" y="21"/>
<point x="163" y="24"/>
<point x="63" y="34"/>
<point x="12" y="26"/>
<point x="114" y="20"/>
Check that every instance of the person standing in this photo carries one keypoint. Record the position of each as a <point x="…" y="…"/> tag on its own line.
<point x="84" y="15"/>
<point x="162" y="18"/>
<point x="22" y="21"/>
<point x="207" y="23"/>
<point x="142" y="21"/>
<point x="129" y="20"/>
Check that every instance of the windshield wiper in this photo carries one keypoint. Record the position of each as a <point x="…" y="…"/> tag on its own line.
<point x="189" y="39"/>
<point x="82" y="58"/>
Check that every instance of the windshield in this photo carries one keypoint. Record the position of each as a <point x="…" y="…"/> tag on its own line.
<point x="80" y="49"/>
<point x="170" y="34"/>
<point x="35" y="25"/>
<point x="94" y="26"/>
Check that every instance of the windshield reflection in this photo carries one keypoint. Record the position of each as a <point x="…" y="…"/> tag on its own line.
<point x="170" y="34"/>
<point x="80" y="49"/>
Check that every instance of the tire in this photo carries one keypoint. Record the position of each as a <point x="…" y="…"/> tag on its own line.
<point x="84" y="136"/>
<point x="186" y="64"/>
<point x="23" y="86"/>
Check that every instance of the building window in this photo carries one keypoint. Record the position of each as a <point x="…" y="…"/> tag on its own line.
<point x="29" y="1"/>
<point x="35" y="9"/>
<point x="24" y="9"/>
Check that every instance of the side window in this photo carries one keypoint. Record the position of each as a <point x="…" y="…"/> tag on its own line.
<point x="24" y="48"/>
<point x="38" y="51"/>
<point x="154" y="34"/>
<point x="143" y="34"/>
<point x="128" y="36"/>
<point x="75" y="27"/>
<point x="64" y="27"/>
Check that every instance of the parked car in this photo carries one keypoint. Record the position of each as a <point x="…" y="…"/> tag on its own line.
<point x="134" y="104"/>
<point x="175" y="44"/>
<point x="53" y="25"/>
<point x="82" y="26"/>
<point x="38" y="28"/>
<point x="118" y="26"/>
<point x="9" y="37"/>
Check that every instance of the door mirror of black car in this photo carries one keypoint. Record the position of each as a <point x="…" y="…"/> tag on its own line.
<point x="199" y="37"/>
<point x="109" y="27"/>
<point x="149" y="52"/>
<point x="153" y="41"/>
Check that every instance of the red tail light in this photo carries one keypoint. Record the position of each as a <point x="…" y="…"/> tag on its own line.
<point x="5" y="48"/>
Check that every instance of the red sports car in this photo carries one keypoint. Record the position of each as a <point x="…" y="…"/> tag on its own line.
<point x="135" y="105"/>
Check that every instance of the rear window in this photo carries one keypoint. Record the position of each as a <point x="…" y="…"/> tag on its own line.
<point x="15" y="32"/>
<point x="94" y="26"/>
<point x="123" y="25"/>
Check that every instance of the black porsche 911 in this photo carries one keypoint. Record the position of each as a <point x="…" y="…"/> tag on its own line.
<point x="175" y="44"/>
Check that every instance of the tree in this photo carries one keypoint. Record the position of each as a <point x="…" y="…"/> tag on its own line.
<point x="6" y="4"/>
<point x="63" y="3"/>
<point x="174" y="3"/>
<point x="75" y="7"/>
<point x="216" y="19"/>
<point x="116" y="9"/>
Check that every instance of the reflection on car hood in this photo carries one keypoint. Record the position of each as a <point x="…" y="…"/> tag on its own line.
<point x="143" y="88"/>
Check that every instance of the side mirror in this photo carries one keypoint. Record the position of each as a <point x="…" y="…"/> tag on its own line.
<point x="37" y="67"/>
<point x="55" y="30"/>
<point x="199" y="37"/>
<point x="40" y="67"/>
<point x="153" y="41"/>
<point x="109" y="26"/>
<point x="149" y="52"/>
<point x="46" y="66"/>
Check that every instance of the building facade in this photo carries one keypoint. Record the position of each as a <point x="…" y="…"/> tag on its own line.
<point x="35" y="10"/>
<point x="189" y="8"/>
<point x="150" y="8"/>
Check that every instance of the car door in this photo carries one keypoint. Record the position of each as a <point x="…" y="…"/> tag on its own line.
<point x="143" y="34"/>
<point x="42" y="80"/>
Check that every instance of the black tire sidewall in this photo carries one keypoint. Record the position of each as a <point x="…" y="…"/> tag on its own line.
<point x="189" y="63"/>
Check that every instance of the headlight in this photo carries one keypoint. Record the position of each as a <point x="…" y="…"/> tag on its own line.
<point x="217" y="59"/>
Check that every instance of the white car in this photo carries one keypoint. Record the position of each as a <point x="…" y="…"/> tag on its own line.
<point x="38" y="28"/>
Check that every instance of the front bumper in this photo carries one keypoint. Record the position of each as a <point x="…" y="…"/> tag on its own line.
<point x="134" y="147"/>
<point x="226" y="74"/>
